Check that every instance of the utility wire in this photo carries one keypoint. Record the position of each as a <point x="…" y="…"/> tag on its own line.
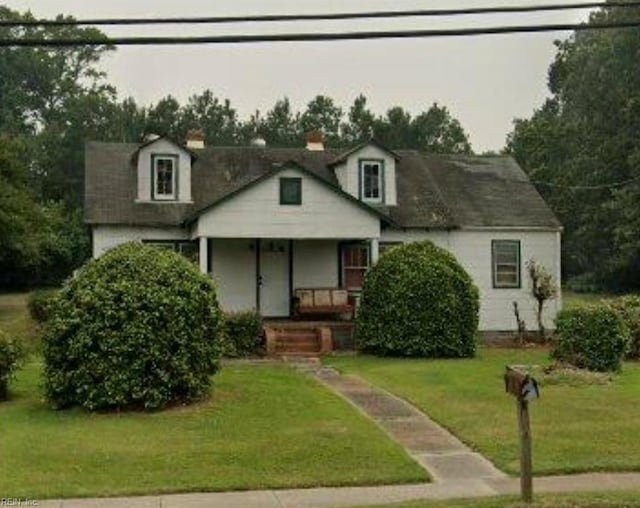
<point x="306" y="37"/>
<point x="319" y="17"/>
<point x="585" y="187"/>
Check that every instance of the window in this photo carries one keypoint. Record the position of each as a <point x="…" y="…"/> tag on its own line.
<point x="371" y="181"/>
<point x="165" y="168"/>
<point x="290" y="191"/>
<point x="355" y="263"/>
<point x="505" y="259"/>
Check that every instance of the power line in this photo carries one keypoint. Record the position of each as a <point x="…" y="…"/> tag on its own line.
<point x="319" y="17"/>
<point x="308" y="37"/>
<point x="587" y="187"/>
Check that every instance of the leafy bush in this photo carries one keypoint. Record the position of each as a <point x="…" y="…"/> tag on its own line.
<point x="418" y="301"/>
<point x="592" y="337"/>
<point x="628" y="308"/>
<point x="11" y="354"/>
<point x="39" y="302"/>
<point x="243" y="333"/>
<point x="139" y="327"/>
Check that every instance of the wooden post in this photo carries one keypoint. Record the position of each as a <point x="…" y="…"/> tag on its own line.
<point x="524" y="388"/>
<point x="526" y="470"/>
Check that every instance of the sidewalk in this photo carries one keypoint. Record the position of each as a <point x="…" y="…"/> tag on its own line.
<point x="456" y="470"/>
<point x="358" y="496"/>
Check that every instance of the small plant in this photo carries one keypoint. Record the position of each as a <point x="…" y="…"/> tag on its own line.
<point x="418" y="301"/>
<point x="243" y="333"/>
<point x="11" y="354"/>
<point x="628" y="308"/>
<point x="592" y="337"/>
<point x="522" y="327"/>
<point x="39" y="302"/>
<point x="543" y="288"/>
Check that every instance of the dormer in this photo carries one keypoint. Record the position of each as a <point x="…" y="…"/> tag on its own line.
<point x="368" y="172"/>
<point x="164" y="171"/>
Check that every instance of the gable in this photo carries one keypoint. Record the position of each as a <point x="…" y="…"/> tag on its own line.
<point x="144" y="162"/>
<point x="348" y="171"/>
<point x="256" y="212"/>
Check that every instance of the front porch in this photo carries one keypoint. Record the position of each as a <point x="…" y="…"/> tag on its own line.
<point x="263" y="274"/>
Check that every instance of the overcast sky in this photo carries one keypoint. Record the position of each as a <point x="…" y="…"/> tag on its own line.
<point x="485" y="81"/>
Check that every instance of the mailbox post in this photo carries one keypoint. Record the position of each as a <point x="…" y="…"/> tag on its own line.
<point x="525" y="389"/>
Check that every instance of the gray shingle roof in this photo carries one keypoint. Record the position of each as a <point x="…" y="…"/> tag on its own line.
<point x="438" y="192"/>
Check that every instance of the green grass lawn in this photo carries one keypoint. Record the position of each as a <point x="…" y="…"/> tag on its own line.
<point x="571" y="300"/>
<point x="15" y="319"/>
<point x="582" y="500"/>
<point x="265" y="426"/>
<point x="593" y="427"/>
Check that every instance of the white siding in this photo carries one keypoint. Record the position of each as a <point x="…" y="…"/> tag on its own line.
<point x="256" y="212"/>
<point x="315" y="264"/>
<point x="107" y="237"/>
<point x="233" y="267"/>
<point x="164" y="147"/>
<point x="348" y="173"/>
<point x="473" y="249"/>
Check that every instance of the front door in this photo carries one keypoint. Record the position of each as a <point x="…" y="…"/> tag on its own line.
<point x="274" y="278"/>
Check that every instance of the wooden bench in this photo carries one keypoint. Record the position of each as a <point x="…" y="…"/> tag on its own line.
<point x="321" y="301"/>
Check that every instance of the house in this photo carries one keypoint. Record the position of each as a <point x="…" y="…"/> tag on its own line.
<point x="264" y="221"/>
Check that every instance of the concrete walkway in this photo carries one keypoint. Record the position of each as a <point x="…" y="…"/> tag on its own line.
<point x="456" y="470"/>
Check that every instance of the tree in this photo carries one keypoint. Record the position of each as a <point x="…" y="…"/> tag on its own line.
<point x="543" y="288"/>
<point x="436" y="131"/>
<point x="281" y="126"/>
<point x="361" y="122"/>
<point x="586" y="136"/>
<point x="19" y="213"/>
<point x="166" y="119"/>
<point x="322" y="114"/>
<point x="216" y="118"/>
<point x="394" y="130"/>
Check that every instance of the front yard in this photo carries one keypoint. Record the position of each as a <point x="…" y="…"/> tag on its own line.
<point x="264" y="426"/>
<point x="576" y="428"/>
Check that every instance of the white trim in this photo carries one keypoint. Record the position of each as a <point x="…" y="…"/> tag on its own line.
<point x="174" y="176"/>
<point x="380" y="165"/>
<point x="203" y="254"/>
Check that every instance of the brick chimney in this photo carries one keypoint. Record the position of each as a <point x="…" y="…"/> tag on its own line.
<point x="195" y="139"/>
<point x="315" y="141"/>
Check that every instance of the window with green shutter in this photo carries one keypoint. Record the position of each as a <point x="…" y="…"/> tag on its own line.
<point x="505" y="259"/>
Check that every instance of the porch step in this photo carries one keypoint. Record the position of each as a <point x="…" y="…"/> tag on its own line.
<point x="294" y="341"/>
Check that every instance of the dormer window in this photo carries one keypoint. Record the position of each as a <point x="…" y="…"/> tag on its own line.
<point x="165" y="170"/>
<point x="371" y="181"/>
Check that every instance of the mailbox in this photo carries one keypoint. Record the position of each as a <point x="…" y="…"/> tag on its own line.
<point x="521" y="385"/>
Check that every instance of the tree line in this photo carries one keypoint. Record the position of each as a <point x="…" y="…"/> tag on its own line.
<point x="53" y="101"/>
<point x="581" y="145"/>
<point x="584" y="142"/>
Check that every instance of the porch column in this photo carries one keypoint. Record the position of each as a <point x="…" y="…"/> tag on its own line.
<point x="204" y="254"/>
<point x="375" y="250"/>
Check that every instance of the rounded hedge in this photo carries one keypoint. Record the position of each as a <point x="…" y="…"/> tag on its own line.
<point x="593" y="337"/>
<point x="418" y="301"/>
<point x="137" y="328"/>
<point x="628" y="308"/>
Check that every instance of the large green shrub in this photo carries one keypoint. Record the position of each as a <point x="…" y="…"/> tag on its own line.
<point x="139" y="327"/>
<point x="38" y="304"/>
<point x="243" y="333"/>
<point x="592" y="337"/>
<point x="11" y="354"/>
<point x="628" y="308"/>
<point x="418" y="301"/>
